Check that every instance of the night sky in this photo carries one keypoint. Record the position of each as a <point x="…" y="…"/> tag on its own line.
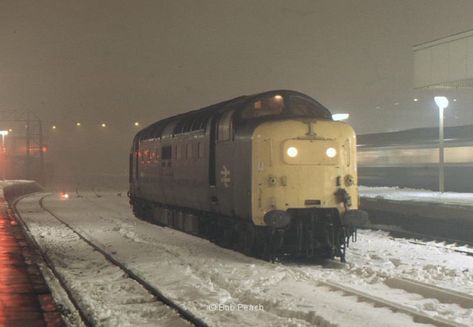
<point x="124" y="61"/>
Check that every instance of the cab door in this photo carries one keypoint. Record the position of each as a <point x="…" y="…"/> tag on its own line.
<point x="221" y="168"/>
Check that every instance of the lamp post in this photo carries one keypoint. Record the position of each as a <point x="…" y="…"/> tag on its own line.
<point x="4" y="153"/>
<point x="442" y="103"/>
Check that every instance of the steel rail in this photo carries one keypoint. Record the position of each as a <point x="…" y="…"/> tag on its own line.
<point x="185" y="314"/>
<point x="443" y="295"/>
<point x="43" y="256"/>
<point x="396" y="307"/>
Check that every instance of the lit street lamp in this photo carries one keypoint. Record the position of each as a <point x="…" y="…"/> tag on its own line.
<point x="442" y="103"/>
<point x="4" y="153"/>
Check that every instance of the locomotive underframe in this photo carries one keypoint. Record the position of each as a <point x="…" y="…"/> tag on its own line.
<point x="312" y="233"/>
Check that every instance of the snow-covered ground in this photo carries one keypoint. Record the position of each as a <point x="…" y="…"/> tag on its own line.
<point x="417" y="195"/>
<point x="225" y="288"/>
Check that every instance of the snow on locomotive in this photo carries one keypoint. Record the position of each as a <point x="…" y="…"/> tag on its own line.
<point x="269" y="174"/>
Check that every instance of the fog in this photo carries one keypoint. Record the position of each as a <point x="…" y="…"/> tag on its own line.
<point x="117" y="62"/>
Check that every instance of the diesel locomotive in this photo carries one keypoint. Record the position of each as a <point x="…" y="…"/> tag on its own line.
<point x="269" y="174"/>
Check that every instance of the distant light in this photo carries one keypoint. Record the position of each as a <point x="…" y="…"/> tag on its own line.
<point x="10" y="130"/>
<point x="339" y="117"/>
<point x="278" y="97"/>
<point x="64" y="195"/>
<point x="454" y="100"/>
<point x="378" y="107"/>
<point x="77" y="124"/>
<point x="54" y="127"/>
<point x="137" y="123"/>
<point x="441" y="101"/>
<point x="415" y="99"/>
<point x="45" y="149"/>
<point x="104" y="125"/>
<point x="396" y="103"/>
<point x="3" y="133"/>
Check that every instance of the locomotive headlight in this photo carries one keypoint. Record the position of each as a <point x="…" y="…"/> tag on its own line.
<point x="331" y="152"/>
<point x="292" y="152"/>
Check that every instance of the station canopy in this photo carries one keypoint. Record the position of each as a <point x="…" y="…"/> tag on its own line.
<point x="444" y="63"/>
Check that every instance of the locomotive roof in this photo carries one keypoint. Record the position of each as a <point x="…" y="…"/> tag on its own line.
<point x="197" y="119"/>
<point x="414" y="136"/>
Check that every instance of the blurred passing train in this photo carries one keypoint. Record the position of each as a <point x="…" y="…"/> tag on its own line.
<point x="269" y="174"/>
<point x="410" y="158"/>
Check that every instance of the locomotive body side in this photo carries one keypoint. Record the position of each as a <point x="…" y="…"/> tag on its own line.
<point x="172" y="171"/>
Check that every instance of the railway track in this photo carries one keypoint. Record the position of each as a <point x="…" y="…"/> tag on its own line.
<point x="423" y="239"/>
<point x="393" y="284"/>
<point x="440" y="246"/>
<point x="412" y="287"/>
<point x="409" y="286"/>
<point x="430" y="291"/>
<point x="187" y="317"/>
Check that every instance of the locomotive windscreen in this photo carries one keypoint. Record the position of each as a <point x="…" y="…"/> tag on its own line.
<point x="302" y="107"/>
<point x="278" y="105"/>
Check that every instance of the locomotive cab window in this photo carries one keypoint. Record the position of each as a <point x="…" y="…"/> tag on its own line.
<point x="303" y="108"/>
<point x="269" y="106"/>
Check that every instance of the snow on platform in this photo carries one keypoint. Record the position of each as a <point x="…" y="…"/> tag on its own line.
<point x="413" y="195"/>
<point x="446" y="215"/>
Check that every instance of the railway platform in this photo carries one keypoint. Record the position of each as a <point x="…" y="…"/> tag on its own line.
<point x="25" y="299"/>
<point x="447" y="215"/>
